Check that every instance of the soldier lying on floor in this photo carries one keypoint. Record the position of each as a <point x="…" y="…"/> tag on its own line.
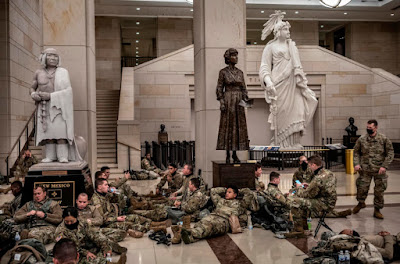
<point x="92" y="245"/>
<point x="217" y="223"/>
<point x="40" y="216"/>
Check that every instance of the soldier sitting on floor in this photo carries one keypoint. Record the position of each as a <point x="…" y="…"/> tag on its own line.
<point x="40" y="216"/>
<point x="91" y="243"/>
<point x="260" y="186"/>
<point x="218" y="222"/>
<point x="303" y="174"/>
<point x="10" y="208"/>
<point x="173" y="178"/>
<point x="148" y="165"/>
<point x="184" y="190"/>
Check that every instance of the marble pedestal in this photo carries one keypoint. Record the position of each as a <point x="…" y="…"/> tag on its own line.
<point x="63" y="181"/>
<point x="241" y="174"/>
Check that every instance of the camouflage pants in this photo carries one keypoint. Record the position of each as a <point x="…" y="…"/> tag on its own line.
<point x="100" y="259"/>
<point x="133" y="221"/>
<point x="211" y="225"/>
<point x="44" y="234"/>
<point x="114" y="234"/>
<point x="364" y="181"/>
<point x="157" y="214"/>
<point x="313" y="205"/>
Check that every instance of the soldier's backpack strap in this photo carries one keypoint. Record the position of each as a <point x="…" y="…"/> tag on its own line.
<point x="46" y="206"/>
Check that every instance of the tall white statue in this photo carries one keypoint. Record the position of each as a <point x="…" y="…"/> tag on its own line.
<point x="292" y="103"/>
<point x="52" y="93"/>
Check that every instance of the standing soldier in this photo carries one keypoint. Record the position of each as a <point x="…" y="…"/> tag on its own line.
<point x="372" y="155"/>
<point x="41" y="216"/>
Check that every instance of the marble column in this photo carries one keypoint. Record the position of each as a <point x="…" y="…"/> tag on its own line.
<point x="218" y="25"/>
<point x="68" y="26"/>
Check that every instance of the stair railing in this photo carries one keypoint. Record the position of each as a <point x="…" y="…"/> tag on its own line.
<point x="129" y="152"/>
<point x="28" y="135"/>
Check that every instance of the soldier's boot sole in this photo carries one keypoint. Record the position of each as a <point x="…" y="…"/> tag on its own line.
<point x="345" y="213"/>
<point x="117" y="248"/>
<point x="358" y="207"/>
<point x="186" y="236"/>
<point x="378" y="214"/>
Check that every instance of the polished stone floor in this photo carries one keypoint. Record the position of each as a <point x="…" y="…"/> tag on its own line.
<point x="258" y="245"/>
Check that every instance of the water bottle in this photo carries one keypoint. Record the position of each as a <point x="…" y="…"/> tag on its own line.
<point x="17" y="237"/>
<point x="347" y="257"/>
<point x="309" y="223"/>
<point x="109" y="258"/>
<point x="249" y="223"/>
<point x="341" y="257"/>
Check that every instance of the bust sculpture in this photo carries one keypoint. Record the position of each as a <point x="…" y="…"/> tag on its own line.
<point x="162" y="128"/>
<point x="52" y="92"/>
<point x="231" y="89"/>
<point x="351" y="129"/>
<point x="292" y="103"/>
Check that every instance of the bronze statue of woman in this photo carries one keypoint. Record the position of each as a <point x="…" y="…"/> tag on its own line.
<point x="231" y="89"/>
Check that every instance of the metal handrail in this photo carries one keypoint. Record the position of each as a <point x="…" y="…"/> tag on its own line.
<point x="18" y="141"/>
<point x="129" y="152"/>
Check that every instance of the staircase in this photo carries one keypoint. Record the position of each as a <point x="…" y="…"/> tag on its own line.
<point x="107" y="105"/>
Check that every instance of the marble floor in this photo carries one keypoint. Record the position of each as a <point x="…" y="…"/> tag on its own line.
<point x="258" y="245"/>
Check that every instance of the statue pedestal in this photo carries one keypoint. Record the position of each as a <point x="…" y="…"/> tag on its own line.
<point x="63" y="181"/>
<point x="241" y="174"/>
<point x="162" y="137"/>
<point x="350" y="141"/>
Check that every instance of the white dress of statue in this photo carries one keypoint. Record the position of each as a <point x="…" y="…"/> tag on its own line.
<point x="52" y="92"/>
<point x="292" y="103"/>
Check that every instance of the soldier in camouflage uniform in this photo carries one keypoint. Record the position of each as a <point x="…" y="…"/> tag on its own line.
<point x="184" y="190"/>
<point x="148" y="164"/>
<point x="26" y="161"/>
<point x="217" y="223"/>
<point x="91" y="243"/>
<point x="40" y="216"/>
<point x="173" y="178"/>
<point x="260" y="186"/>
<point x="110" y="212"/>
<point x="372" y="155"/>
<point x="10" y="208"/>
<point x="303" y="173"/>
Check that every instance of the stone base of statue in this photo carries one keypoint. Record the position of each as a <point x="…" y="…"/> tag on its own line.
<point x="350" y="141"/>
<point x="241" y="174"/>
<point x="63" y="181"/>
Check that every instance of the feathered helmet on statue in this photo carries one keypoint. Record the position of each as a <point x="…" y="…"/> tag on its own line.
<point x="274" y="24"/>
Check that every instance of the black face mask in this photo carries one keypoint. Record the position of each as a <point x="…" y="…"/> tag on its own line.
<point x="304" y="166"/>
<point x="73" y="226"/>
<point x="370" y="131"/>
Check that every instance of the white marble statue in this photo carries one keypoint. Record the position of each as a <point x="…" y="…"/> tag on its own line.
<point x="292" y="103"/>
<point x="52" y="93"/>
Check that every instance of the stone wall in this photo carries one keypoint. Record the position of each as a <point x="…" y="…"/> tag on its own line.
<point x="173" y="34"/>
<point x="108" y="53"/>
<point x="21" y="45"/>
<point x="375" y="44"/>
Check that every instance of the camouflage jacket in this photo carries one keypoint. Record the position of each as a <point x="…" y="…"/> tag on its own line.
<point x="11" y="207"/>
<point x="24" y="165"/>
<point x="185" y="186"/>
<point x="225" y="208"/>
<point x="108" y="210"/>
<point x="84" y="237"/>
<point x="92" y="213"/>
<point x="302" y="176"/>
<point x="147" y="164"/>
<point x="260" y="186"/>
<point x="249" y="200"/>
<point x="322" y="187"/>
<point x="195" y="202"/>
<point x="48" y="206"/>
<point x="176" y="184"/>
<point x="275" y="198"/>
<point x="373" y="152"/>
<point x="119" y="183"/>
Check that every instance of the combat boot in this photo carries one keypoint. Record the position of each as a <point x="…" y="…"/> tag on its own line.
<point x="378" y="214"/>
<point x="166" y="223"/>
<point x="117" y="248"/>
<point x="187" y="236"/>
<point x="162" y="228"/>
<point x="122" y="260"/>
<point x="344" y="213"/>
<point x="298" y="230"/>
<point x="135" y="233"/>
<point x="358" y="207"/>
<point x="186" y="221"/>
<point x="176" y="230"/>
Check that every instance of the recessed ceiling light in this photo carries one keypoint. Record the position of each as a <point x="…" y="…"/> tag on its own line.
<point x="191" y="10"/>
<point x="137" y="41"/>
<point x="392" y="14"/>
<point x="137" y="64"/>
<point x="137" y="55"/>
<point x="137" y="47"/>
<point x="137" y="23"/>
<point x="137" y="59"/>
<point x="322" y="26"/>
<point x="137" y="33"/>
<point x="262" y="11"/>
<point x="296" y="12"/>
<point x="344" y="13"/>
<point x="255" y="43"/>
<point x="138" y="8"/>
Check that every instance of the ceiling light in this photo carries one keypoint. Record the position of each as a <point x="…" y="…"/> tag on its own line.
<point x="137" y="55"/>
<point x="137" y="64"/>
<point x="137" y="23"/>
<point x="262" y="11"/>
<point x="322" y="26"/>
<point x="137" y="33"/>
<point x="392" y="14"/>
<point x="345" y="13"/>
<point x="191" y="10"/>
<point x="334" y="3"/>
<point x="137" y="47"/>
<point x="255" y="43"/>
<point x="138" y="8"/>
<point x="137" y="52"/>
<point x="137" y="41"/>
<point x="296" y="12"/>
